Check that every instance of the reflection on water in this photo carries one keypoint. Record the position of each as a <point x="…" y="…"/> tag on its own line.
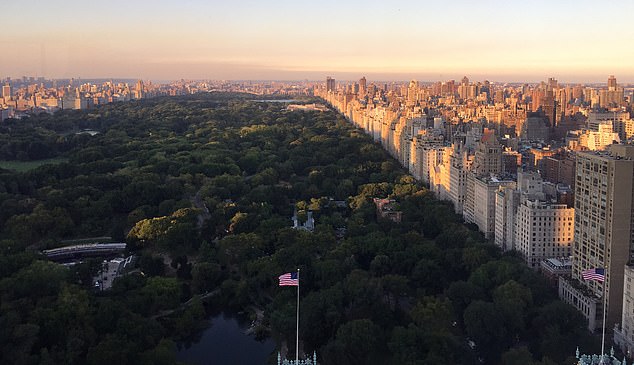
<point x="225" y="342"/>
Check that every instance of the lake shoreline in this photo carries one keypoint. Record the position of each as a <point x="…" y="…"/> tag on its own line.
<point x="228" y="338"/>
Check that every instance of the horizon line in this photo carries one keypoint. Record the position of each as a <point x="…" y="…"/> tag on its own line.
<point x="157" y="80"/>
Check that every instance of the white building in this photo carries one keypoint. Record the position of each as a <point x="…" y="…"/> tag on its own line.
<point x="506" y="203"/>
<point x="479" y="207"/>
<point x="460" y="164"/>
<point x="528" y="220"/>
<point x="424" y="156"/>
<point x="600" y="139"/>
<point x="440" y="176"/>
<point x="543" y="230"/>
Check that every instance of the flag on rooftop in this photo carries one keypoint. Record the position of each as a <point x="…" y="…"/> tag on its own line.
<point x="597" y="274"/>
<point x="289" y="279"/>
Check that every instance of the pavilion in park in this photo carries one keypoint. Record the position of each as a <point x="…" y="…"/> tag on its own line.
<point x="598" y="359"/>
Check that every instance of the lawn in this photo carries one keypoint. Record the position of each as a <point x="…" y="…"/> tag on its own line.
<point x="22" y="166"/>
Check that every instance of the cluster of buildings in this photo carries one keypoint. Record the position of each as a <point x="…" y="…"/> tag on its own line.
<point x="274" y="88"/>
<point x="545" y="170"/>
<point x="20" y="97"/>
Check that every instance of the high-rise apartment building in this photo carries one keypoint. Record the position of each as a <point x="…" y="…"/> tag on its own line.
<point x="506" y="203"/>
<point x="428" y="155"/>
<point x="527" y="220"/>
<point x="613" y="96"/>
<point x="460" y="163"/>
<point x="488" y="155"/>
<point x="599" y="140"/>
<point x="543" y="230"/>
<point x="603" y="232"/>
<point x="549" y="107"/>
<point x="552" y="83"/>
<point x="330" y="84"/>
<point x="611" y="83"/>
<point x="597" y="118"/>
<point x="139" y="91"/>
<point x="6" y="92"/>
<point x="440" y="179"/>
<point x="559" y="168"/>
<point x="535" y="127"/>
<point x="363" y="86"/>
<point x="480" y="201"/>
<point x="620" y="121"/>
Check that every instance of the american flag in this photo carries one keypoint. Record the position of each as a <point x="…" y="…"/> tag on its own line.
<point x="289" y="279"/>
<point x="597" y="274"/>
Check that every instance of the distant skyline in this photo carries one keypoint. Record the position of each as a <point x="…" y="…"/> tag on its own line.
<point x="506" y="41"/>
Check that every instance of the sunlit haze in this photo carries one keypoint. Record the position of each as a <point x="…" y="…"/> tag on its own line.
<point x="429" y="40"/>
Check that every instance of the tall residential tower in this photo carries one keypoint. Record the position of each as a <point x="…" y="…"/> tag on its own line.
<point x="603" y="232"/>
<point x="330" y="84"/>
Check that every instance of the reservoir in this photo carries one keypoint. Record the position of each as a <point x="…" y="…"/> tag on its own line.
<point x="225" y="342"/>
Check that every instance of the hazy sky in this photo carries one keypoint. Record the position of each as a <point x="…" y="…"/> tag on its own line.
<point x="503" y="40"/>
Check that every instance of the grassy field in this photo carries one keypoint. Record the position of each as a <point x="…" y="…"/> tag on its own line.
<point x="22" y="166"/>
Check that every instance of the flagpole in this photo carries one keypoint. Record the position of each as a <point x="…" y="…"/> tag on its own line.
<point x="297" y="329"/>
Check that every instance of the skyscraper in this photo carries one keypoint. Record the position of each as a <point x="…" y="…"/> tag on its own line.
<point x="330" y="84"/>
<point x="611" y="83"/>
<point x="603" y="232"/>
<point x="488" y="155"/>
<point x="362" y="86"/>
<point x="552" y="83"/>
<point x="139" y="91"/>
<point x="549" y="106"/>
<point x="6" y="92"/>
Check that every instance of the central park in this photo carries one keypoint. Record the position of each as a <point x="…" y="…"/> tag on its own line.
<point x="203" y="189"/>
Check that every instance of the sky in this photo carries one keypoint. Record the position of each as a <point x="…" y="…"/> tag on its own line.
<point x="497" y="40"/>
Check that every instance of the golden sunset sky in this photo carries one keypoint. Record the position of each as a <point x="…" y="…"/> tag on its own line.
<point x="508" y="40"/>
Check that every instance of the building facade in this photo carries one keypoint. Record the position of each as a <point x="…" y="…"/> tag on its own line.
<point x="543" y="230"/>
<point x="624" y="333"/>
<point x="603" y="232"/>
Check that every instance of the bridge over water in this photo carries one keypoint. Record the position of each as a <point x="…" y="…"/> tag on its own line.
<point x="85" y="251"/>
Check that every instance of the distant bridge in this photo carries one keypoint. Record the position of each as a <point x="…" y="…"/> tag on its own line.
<point x="85" y="250"/>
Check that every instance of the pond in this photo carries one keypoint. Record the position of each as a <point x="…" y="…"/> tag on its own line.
<point x="225" y="342"/>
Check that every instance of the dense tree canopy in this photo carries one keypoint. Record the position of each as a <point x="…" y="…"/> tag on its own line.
<point x="203" y="189"/>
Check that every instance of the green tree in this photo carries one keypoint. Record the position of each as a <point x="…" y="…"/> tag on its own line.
<point x="163" y="354"/>
<point x="206" y="277"/>
<point x="483" y="326"/>
<point x="161" y="293"/>
<point x="240" y="248"/>
<point x="434" y="314"/>
<point x="358" y="342"/>
<point x="405" y="345"/>
<point x="518" y="356"/>
<point x="513" y="301"/>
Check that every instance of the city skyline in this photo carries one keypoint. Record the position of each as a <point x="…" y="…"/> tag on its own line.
<point x="283" y="40"/>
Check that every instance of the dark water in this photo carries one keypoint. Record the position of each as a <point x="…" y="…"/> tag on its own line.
<point x="225" y="342"/>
